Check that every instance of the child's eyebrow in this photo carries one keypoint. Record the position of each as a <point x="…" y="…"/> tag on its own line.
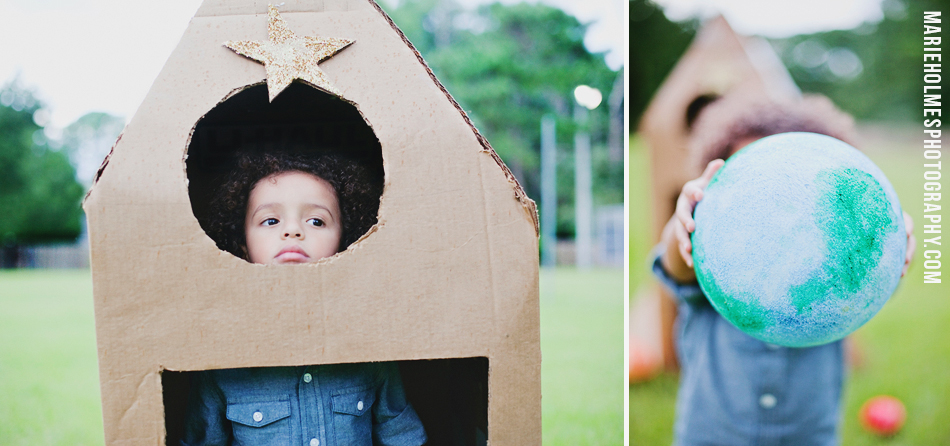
<point x="307" y="206"/>
<point x="264" y="206"/>
<point x="319" y="206"/>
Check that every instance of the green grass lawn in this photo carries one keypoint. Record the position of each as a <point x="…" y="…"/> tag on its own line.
<point x="582" y="377"/>
<point x="49" y="377"/>
<point x="49" y="385"/>
<point x="907" y="345"/>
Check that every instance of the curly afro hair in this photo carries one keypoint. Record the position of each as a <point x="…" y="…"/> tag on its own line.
<point x="357" y="192"/>
<point x="740" y="114"/>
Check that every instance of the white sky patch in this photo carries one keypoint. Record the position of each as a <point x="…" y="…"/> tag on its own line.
<point x="103" y="55"/>
<point x="97" y="55"/>
<point x="779" y="18"/>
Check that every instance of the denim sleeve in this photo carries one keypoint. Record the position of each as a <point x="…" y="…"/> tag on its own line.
<point x="205" y="420"/>
<point x="395" y="422"/>
<point x="689" y="293"/>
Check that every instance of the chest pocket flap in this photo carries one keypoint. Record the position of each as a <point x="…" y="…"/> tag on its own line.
<point x="354" y="403"/>
<point x="257" y="414"/>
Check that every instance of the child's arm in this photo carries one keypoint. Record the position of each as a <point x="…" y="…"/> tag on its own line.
<point x="394" y="421"/>
<point x="205" y="420"/>
<point x="678" y="262"/>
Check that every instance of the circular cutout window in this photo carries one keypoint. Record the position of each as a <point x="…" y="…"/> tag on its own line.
<point x="245" y="138"/>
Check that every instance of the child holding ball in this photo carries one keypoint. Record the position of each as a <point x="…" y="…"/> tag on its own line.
<point x="735" y="389"/>
<point x="279" y="208"/>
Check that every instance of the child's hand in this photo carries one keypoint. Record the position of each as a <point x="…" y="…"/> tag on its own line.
<point x="911" y="242"/>
<point x="680" y="227"/>
<point x="692" y="193"/>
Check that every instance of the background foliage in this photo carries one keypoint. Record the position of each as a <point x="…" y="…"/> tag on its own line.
<point x="39" y="194"/>
<point x="510" y="65"/>
<point x="887" y="84"/>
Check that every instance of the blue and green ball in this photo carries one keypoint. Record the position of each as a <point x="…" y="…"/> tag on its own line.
<point x="799" y="239"/>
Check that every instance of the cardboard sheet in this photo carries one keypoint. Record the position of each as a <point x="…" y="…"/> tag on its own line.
<point x="451" y="270"/>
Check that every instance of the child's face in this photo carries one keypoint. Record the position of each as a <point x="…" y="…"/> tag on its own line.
<point x="292" y="217"/>
<point x="740" y="143"/>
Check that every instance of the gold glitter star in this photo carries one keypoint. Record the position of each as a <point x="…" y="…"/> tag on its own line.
<point x="287" y="57"/>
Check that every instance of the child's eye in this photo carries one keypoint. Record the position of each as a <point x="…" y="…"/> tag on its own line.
<point x="270" y="222"/>
<point x="316" y="222"/>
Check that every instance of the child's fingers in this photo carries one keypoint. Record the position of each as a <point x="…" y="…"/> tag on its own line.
<point x="694" y="191"/>
<point x="711" y="170"/>
<point x="684" y="211"/>
<point x="683" y="244"/>
<point x="691" y="194"/>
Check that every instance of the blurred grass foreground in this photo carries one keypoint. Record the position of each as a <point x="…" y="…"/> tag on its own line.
<point x="49" y="385"/>
<point x="905" y="348"/>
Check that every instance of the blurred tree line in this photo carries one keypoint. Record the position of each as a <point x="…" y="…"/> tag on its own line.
<point x="656" y="44"/>
<point x="43" y="177"/>
<point x="508" y="66"/>
<point x="39" y="193"/>
<point x="873" y="72"/>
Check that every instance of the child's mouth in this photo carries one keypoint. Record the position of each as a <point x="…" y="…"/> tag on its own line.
<point x="292" y="254"/>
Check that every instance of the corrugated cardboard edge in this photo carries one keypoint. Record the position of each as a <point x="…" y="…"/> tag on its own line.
<point x="527" y="203"/>
<point x="102" y="168"/>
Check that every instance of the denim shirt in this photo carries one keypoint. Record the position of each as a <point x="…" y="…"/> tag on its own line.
<point x="737" y="390"/>
<point x="326" y="405"/>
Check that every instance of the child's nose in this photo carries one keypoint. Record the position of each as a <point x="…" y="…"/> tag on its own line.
<point x="293" y="230"/>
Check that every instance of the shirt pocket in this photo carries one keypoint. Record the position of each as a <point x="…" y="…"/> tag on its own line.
<point x="352" y="421"/>
<point x="264" y="423"/>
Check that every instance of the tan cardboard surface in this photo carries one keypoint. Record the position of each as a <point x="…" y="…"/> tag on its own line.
<point x="451" y="270"/>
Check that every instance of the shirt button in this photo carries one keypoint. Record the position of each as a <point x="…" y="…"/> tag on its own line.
<point x="767" y="401"/>
<point x="773" y="346"/>
<point x="258" y="416"/>
<point x="314" y="442"/>
<point x="307" y="377"/>
<point x="359" y="405"/>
